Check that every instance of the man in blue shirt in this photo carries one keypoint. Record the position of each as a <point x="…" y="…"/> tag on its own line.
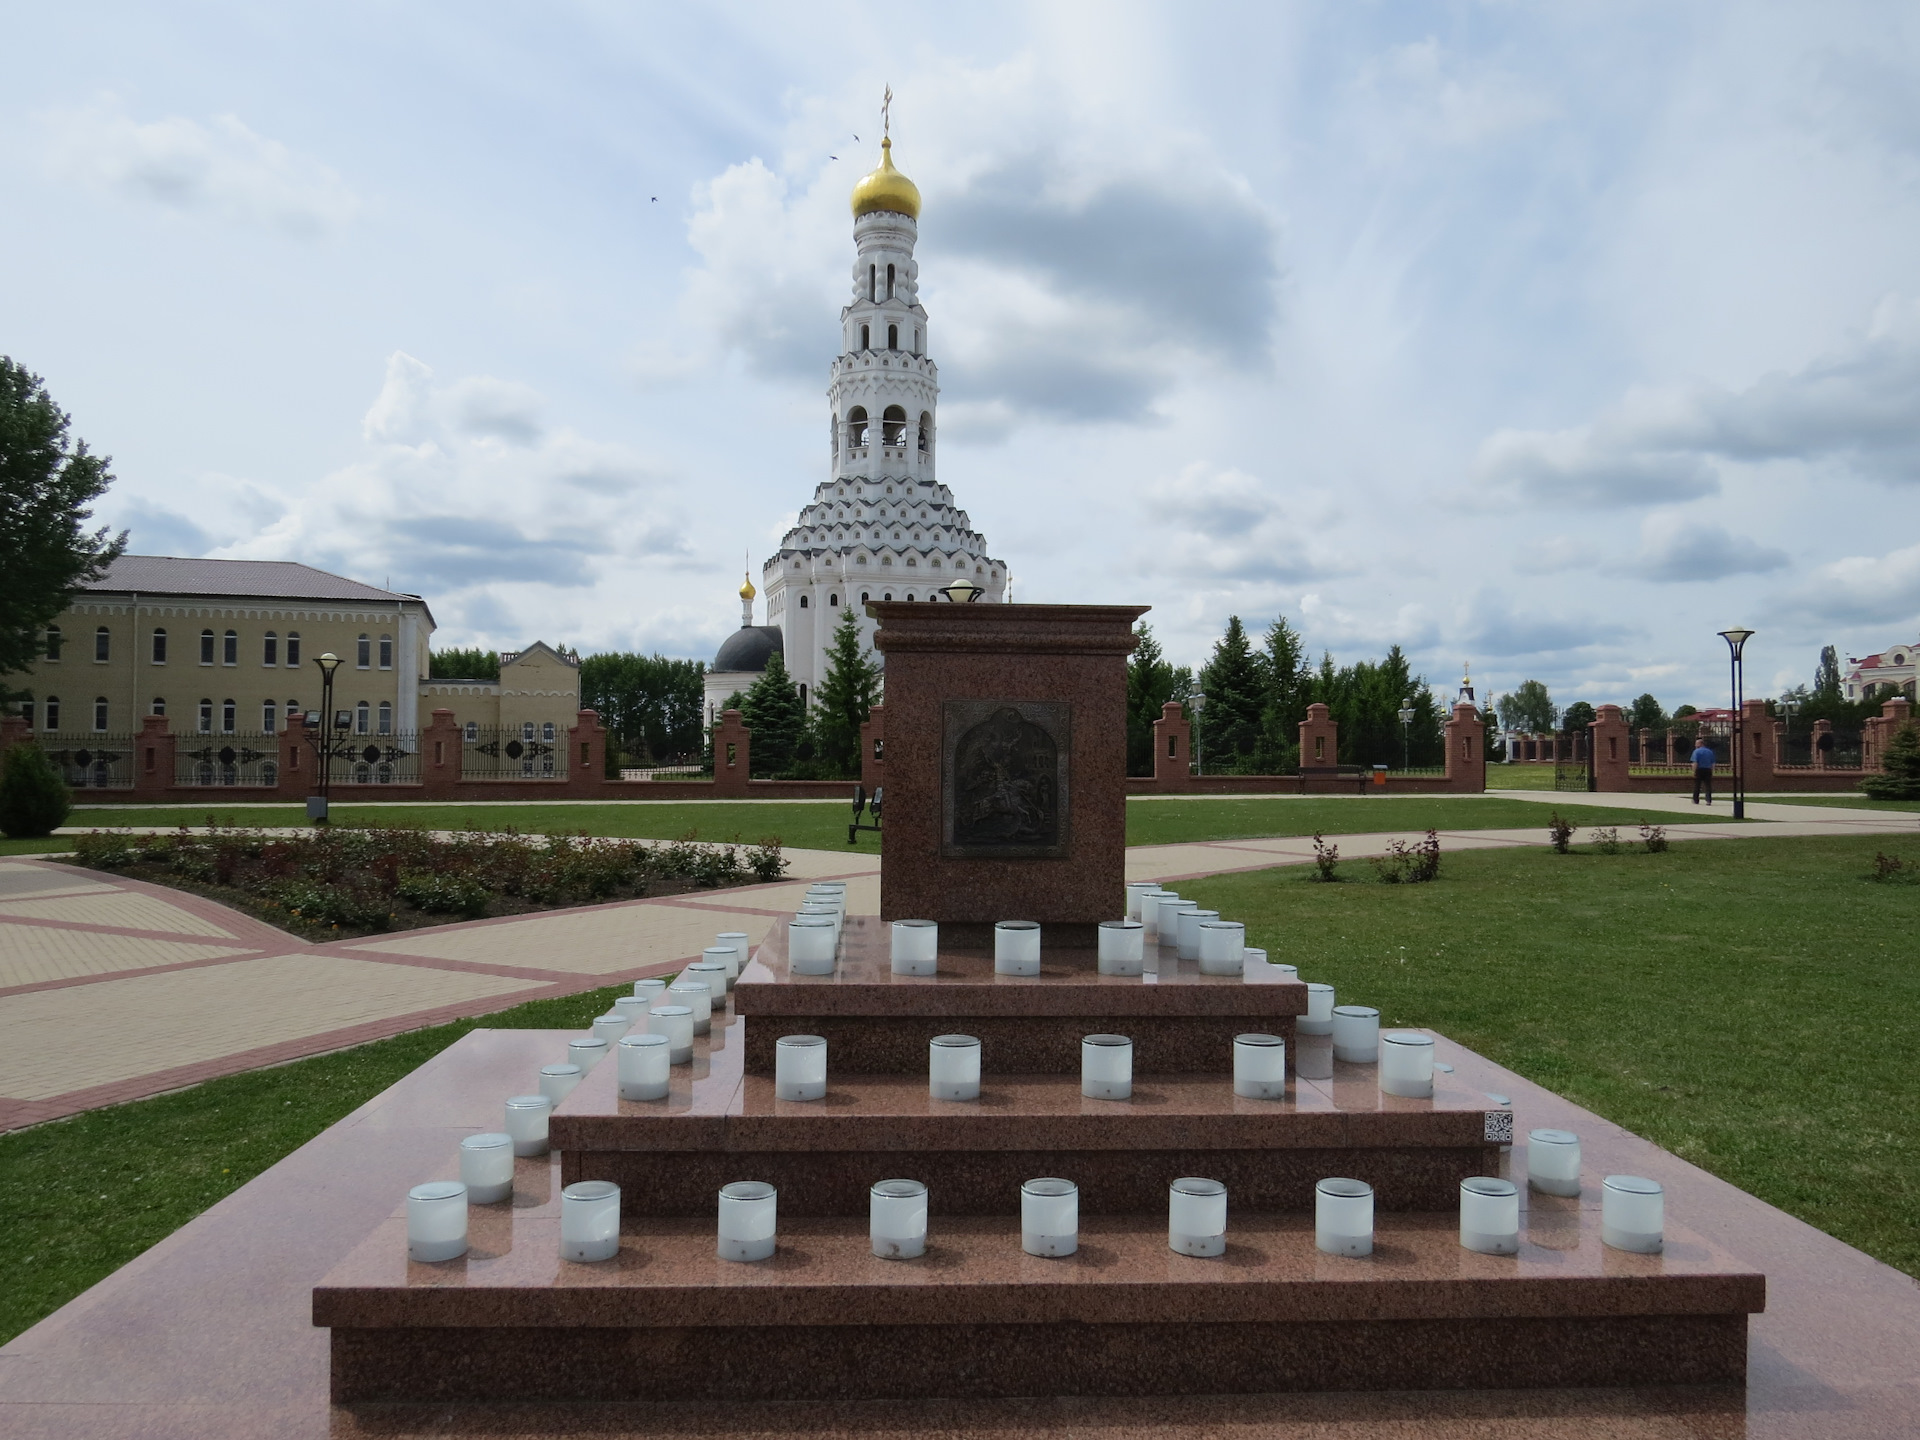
<point x="1702" y="770"/>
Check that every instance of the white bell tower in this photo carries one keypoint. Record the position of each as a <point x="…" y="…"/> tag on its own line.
<point x="881" y="527"/>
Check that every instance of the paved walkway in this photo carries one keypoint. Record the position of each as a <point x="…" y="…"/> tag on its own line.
<point x="112" y="989"/>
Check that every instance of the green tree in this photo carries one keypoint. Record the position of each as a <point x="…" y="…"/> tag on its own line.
<point x="1578" y="716"/>
<point x="651" y="705"/>
<point x="34" y="800"/>
<point x="773" y="712"/>
<point x="1646" y="714"/>
<point x="1150" y="685"/>
<point x="845" y="699"/>
<point x="1826" y="675"/>
<point x="1289" y="677"/>
<point x="1900" y="767"/>
<point x="474" y="664"/>
<point x="47" y="479"/>
<point x="1529" y="708"/>
<point x="1228" y="727"/>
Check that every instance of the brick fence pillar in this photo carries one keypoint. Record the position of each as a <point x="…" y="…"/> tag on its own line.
<point x="1760" y="734"/>
<point x="586" y="755"/>
<point x="153" y="758"/>
<point x="1319" y="737"/>
<point x="1172" y="747"/>
<point x="1466" y="750"/>
<point x="873" y="750"/>
<point x="732" y="754"/>
<point x="1607" y="745"/>
<point x="441" y="748"/>
<point x="1880" y="728"/>
<point x="1821" y="730"/>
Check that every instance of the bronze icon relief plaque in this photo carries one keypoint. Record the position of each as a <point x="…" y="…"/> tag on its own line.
<point x="1004" y="768"/>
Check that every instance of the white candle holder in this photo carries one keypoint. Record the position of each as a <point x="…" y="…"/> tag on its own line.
<point x="1343" y="1217"/>
<point x="486" y="1167"/>
<point x="611" y="1026"/>
<point x="1151" y="903"/>
<point x="1016" y="948"/>
<point x="800" y="1067"/>
<point x="810" y="945"/>
<point x="748" y="1217"/>
<point x="1167" y="921"/>
<point x="643" y="1063"/>
<point x="437" y="1221"/>
<point x="897" y="1219"/>
<point x="1137" y="890"/>
<point x="953" y="1067"/>
<point x="1049" y="1217"/>
<point x="825" y="910"/>
<point x="698" y="998"/>
<point x="587" y="1052"/>
<point x="1223" y="947"/>
<point x="1123" y="947"/>
<point x="728" y="961"/>
<point x="1106" y="1067"/>
<point x="1260" y="1067"/>
<point x="1553" y="1162"/>
<point x="712" y="974"/>
<point x="1356" y="1034"/>
<point x="1285" y="972"/>
<point x="676" y="1023"/>
<point x="1319" y="1017"/>
<point x="652" y="991"/>
<point x="1197" y="1217"/>
<point x="1490" y="1216"/>
<point x="590" y="1221"/>
<point x="1189" y="930"/>
<point x="1633" y="1214"/>
<point x="527" y="1123"/>
<point x="557" y="1081"/>
<point x="833" y="891"/>
<point x="916" y="947"/>
<point x="736" y="941"/>
<point x="635" y="1008"/>
<point x="1406" y="1064"/>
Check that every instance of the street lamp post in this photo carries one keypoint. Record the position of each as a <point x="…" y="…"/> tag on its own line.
<point x="1406" y="737"/>
<point x="324" y="743"/>
<point x="963" y="591"/>
<point x="1736" y="639"/>
<point x="1196" y="702"/>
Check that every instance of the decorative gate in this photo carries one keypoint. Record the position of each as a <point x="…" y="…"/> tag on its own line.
<point x="516" y="752"/>
<point x="1574" y="769"/>
<point x="100" y="761"/>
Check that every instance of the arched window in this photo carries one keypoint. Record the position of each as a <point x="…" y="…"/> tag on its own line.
<point x="803" y="689"/>
<point x="386" y="652"/>
<point x="866" y="337"/>
<point x="203" y="773"/>
<point x="206" y="647"/>
<point x="230" y="648"/>
<point x="159" y="646"/>
<point x="227" y="716"/>
<point x="863" y="597"/>
<point x="893" y="337"/>
<point x="546" y="731"/>
<point x="870" y="274"/>
<point x="269" y="717"/>
<point x="229" y="775"/>
<point x="363" y="774"/>
<point x="362" y="718"/>
<point x="472" y="731"/>
<point x="386" y="717"/>
<point x="53" y="712"/>
<point x="293" y="647"/>
<point x="916" y="339"/>
<point x="526" y="729"/>
<point x="270" y="648"/>
<point x="833" y="600"/>
<point x="887" y="596"/>
<point x="293" y="712"/>
<point x="363" y="657"/>
<point x="890" y="282"/>
<point x="893" y="426"/>
<point x="102" y="644"/>
<point x="269" y="774"/>
<point x="100" y="712"/>
<point x="206" y="717"/>
<point x="159" y="706"/>
<point x="857" y="426"/>
<point x="926" y="430"/>
<point x="53" y="642"/>
<point x="803" y="602"/>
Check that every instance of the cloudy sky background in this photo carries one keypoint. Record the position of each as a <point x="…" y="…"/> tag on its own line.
<point x="1550" y="337"/>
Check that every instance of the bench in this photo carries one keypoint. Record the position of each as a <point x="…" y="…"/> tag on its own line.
<point x="1361" y="775"/>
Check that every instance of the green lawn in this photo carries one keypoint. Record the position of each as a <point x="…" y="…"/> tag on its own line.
<point x="1849" y="800"/>
<point x="823" y="825"/>
<point x="1520" y="776"/>
<point x="1747" y="1006"/>
<point x="81" y="1197"/>
<point x="55" y="845"/>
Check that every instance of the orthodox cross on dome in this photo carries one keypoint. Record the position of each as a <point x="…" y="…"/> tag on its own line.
<point x="886" y="114"/>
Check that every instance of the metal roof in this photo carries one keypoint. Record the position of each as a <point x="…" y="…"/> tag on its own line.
<point x="278" y="579"/>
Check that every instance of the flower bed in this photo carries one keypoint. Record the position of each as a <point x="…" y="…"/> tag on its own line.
<point x="338" y="882"/>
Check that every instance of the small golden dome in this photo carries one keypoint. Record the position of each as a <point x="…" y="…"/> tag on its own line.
<point x="885" y="188"/>
<point x="747" y="592"/>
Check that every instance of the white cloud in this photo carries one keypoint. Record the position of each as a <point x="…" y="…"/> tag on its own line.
<point x="1680" y="547"/>
<point x="1217" y="528"/>
<point x="1866" y="589"/>
<point x="1423" y="94"/>
<point x="222" y="168"/>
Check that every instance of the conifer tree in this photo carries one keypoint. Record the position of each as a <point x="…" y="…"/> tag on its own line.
<point x="1289" y="691"/>
<point x="773" y="713"/>
<point x="1235" y="687"/>
<point x="1150" y="684"/>
<point x="1900" y="767"/>
<point x="846" y="697"/>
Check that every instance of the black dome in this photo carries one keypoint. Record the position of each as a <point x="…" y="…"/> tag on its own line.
<point x="749" y="648"/>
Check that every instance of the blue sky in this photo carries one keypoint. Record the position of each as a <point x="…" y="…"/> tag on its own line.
<point x="1550" y="337"/>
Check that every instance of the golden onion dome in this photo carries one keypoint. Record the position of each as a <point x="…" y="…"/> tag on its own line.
<point x="747" y="592"/>
<point x="885" y="188"/>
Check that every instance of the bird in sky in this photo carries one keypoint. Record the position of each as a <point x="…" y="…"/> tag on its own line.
<point x="653" y="199"/>
<point x="856" y="137"/>
<point x="833" y="157"/>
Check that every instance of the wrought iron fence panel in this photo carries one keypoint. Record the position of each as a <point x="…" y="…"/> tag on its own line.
<point x="221" y="760"/>
<point x="93" y="761"/>
<point x="513" y="752"/>
<point x="376" y="759"/>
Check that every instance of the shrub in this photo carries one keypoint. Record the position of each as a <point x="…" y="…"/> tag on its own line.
<point x="1654" y="837"/>
<point x="1409" y="864"/>
<point x="34" y="800"/>
<point x="1560" y="833"/>
<point x="1892" y="870"/>
<point x="102" y="851"/>
<point x="1606" y="840"/>
<point x="445" y="894"/>
<point x="1900" y="765"/>
<point x="1326" y="859"/>
<point x="766" y="861"/>
<point x="329" y="905"/>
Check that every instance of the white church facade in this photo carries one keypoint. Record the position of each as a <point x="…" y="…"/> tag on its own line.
<point x="881" y="526"/>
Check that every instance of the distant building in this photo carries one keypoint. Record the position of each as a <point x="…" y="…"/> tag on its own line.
<point x="1890" y="671"/>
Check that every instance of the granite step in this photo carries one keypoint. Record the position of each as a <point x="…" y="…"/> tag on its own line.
<point x="975" y="1316"/>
